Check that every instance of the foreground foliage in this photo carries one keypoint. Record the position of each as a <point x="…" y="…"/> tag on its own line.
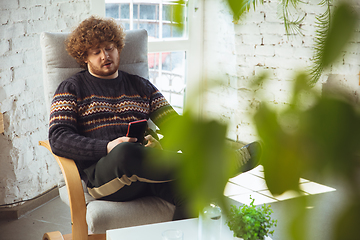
<point x="314" y="134"/>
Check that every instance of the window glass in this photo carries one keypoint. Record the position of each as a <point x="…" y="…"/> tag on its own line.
<point x="147" y="16"/>
<point x="149" y="12"/>
<point x="126" y="25"/>
<point x="166" y="69"/>
<point x="136" y="11"/>
<point x="171" y="31"/>
<point x="152" y="29"/>
<point x="167" y="73"/>
<point x="125" y="11"/>
<point x="112" y="10"/>
<point x="167" y="12"/>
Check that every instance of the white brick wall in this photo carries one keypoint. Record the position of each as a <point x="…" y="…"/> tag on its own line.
<point x="235" y="53"/>
<point x="26" y="169"/>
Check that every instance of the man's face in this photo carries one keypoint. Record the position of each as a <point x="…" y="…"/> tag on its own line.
<point x="103" y="61"/>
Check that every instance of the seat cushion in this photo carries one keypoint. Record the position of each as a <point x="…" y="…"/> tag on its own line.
<point x="64" y="195"/>
<point x="104" y="215"/>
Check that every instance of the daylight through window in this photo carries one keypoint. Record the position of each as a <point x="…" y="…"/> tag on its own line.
<point x="166" y="67"/>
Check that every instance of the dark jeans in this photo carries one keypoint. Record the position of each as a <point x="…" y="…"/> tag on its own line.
<point x="126" y="173"/>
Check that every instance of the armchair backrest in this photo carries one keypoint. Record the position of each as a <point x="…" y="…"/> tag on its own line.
<point x="58" y="65"/>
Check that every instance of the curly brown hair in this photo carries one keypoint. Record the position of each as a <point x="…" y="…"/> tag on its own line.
<point x="90" y="34"/>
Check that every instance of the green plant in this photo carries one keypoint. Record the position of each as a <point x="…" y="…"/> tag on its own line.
<point x="314" y="134"/>
<point x="250" y="222"/>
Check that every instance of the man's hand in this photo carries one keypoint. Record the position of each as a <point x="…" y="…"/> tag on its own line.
<point x="117" y="141"/>
<point x="152" y="142"/>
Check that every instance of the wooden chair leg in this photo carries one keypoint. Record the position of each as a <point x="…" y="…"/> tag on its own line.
<point x="53" y="236"/>
<point x="58" y="236"/>
<point x="97" y="236"/>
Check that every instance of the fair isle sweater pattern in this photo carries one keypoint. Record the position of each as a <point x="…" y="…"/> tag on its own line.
<point x="88" y="112"/>
<point x="96" y="107"/>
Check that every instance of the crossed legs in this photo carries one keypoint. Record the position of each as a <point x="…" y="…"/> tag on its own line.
<point x="125" y="174"/>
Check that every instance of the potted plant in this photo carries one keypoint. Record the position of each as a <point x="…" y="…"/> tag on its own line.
<point x="250" y="222"/>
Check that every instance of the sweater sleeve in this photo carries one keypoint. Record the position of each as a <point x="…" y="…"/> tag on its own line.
<point x="64" y="137"/>
<point x="161" y="112"/>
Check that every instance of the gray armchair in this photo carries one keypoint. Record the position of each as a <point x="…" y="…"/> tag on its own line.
<point x="97" y="216"/>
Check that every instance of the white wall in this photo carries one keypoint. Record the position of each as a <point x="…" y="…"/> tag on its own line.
<point x="26" y="169"/>
<point x="235" y="53"/>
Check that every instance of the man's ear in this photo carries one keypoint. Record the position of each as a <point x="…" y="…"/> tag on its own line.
<point x="85" y="64"/>
<point x="85" y="58"/>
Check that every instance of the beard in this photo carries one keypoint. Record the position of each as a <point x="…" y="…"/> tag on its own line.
<point x="104" y="71"/>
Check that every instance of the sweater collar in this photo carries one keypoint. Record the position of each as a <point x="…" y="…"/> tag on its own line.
<point x="93" y="78"/>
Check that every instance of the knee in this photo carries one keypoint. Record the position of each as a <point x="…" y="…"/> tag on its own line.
<point x="126" y="148"/>
<point x="124" y="153"/>
<point x="121" y="148"/>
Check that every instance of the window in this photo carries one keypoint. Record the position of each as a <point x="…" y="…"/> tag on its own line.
<point x="168" y="45"/>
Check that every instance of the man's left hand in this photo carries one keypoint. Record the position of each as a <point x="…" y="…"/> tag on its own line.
<point x="152" y="142"/>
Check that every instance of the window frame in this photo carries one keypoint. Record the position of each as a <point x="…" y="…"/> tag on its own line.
<point x="192" y="44"/>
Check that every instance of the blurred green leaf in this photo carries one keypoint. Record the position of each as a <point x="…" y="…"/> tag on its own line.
<point x="348" y="223"/>
<point x="179" y="14"/>
<point x="238" y="7"/>
<point x="280" y="158"/>
<point x="301" y="85"/>
<point x="259" y="79"/>
<point x="297" y="217"/>
<point x="207" y="160"/>
<point x="342" y="27"/>
<point x="319" y="137"/>
<point x="332" y="128"/>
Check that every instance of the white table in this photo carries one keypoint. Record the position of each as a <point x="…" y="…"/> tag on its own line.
<point x="154" y="231"/>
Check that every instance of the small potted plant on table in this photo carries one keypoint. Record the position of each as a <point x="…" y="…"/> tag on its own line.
<point x="249" y="222"/>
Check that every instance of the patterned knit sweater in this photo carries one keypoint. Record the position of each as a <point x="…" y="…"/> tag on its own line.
<point x="88" y="112"/>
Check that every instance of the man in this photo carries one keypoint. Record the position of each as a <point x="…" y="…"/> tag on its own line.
<point x="90" y="114"/>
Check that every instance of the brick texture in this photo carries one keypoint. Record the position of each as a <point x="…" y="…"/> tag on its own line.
<point x="27" y="170"/>
<point x="236" y="53"/>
